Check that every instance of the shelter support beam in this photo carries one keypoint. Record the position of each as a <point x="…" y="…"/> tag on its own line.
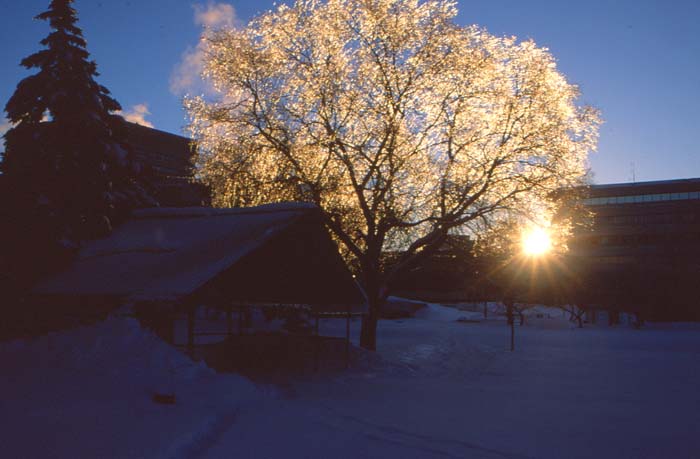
<point x="347" y="341"/>
<point x="190" y="327"/>
<point x="229" y="322"/>
<point x="317" y="344"/>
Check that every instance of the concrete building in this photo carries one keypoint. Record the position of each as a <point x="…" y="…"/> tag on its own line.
<point x="642" y="252"/>
<point x="167" y="160"/>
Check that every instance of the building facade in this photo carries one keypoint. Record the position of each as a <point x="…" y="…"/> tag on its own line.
<point x="641" y="254"/>
<point x="168" y="165"/>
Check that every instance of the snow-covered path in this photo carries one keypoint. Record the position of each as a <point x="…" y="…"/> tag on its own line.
<point x="449" y="389"/>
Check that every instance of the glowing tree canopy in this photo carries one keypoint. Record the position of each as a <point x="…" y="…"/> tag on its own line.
<point x="400" y="124"/>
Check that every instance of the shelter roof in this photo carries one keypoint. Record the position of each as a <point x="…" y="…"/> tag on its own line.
<point x="166" y="254"/>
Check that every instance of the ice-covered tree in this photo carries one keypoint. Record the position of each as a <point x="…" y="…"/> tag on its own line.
<point x="401" y="125"/>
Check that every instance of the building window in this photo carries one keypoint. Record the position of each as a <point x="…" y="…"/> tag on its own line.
<point x="606" y="200"/>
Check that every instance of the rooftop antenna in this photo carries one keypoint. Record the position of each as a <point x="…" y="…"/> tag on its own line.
<point x="633" y="170"/>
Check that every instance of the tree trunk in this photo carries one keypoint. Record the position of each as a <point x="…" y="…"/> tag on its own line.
<point x="576" y="314"/>
<point x="376" y="297"/>
<point x="638" y="320"/>
<point x="368" y="332"/>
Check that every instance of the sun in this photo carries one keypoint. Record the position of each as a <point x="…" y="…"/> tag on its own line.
<point x="536" y="242"/>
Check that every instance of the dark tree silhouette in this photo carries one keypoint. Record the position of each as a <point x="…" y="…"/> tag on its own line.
<point x="67" y="174"/>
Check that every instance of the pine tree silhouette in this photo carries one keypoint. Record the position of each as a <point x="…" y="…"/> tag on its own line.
<point x="66" y="168"/>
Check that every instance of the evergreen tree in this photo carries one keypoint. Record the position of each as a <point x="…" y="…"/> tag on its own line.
<point x="66" y="168"/>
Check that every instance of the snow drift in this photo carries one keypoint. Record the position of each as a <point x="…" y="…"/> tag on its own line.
<point x="89" y="391"/>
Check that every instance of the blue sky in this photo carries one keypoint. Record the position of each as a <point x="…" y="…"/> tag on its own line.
<point x="637" y="61"/>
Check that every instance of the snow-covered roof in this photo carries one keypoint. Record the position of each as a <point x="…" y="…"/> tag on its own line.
<point x="169" y="253"/>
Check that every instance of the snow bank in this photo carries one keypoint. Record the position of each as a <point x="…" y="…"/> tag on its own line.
<point x="437" y="312"/>
<point x="117" y="347"/>
<point x="88" y="392"/>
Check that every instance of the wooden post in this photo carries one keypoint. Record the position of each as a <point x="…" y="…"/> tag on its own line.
<point x="317" y="343"/>
<point x="240" y="320"/>
<point x="511" y="321"/>
<point x="347" y="341"/>
<point x="191" y="309"/>
<point x="170" y="332"/>
<point x="512" y="335"/>
<point x="229" y="322"/>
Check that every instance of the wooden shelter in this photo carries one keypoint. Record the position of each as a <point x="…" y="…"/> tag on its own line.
<point x="178" y="259"/>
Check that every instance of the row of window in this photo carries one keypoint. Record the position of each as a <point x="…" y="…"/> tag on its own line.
<point x="649" y="240"/>
<point x="617" y="260"/>
<point x="648" y="219"/>
<point x="642" y="198"/>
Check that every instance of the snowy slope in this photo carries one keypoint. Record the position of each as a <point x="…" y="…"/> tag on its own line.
<point x="87" y="393"/>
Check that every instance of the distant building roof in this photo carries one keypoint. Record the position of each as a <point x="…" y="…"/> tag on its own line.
<point x="690" y="184"/>
<point x="643" y="192"/>
<point x="168" y="160"/>
<point x="168" y="154"/>
<point x="277" y="253"/>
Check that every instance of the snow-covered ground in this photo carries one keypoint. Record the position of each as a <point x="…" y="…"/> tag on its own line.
<point x="437" y="388"/>
<point x="87" y="393"/>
